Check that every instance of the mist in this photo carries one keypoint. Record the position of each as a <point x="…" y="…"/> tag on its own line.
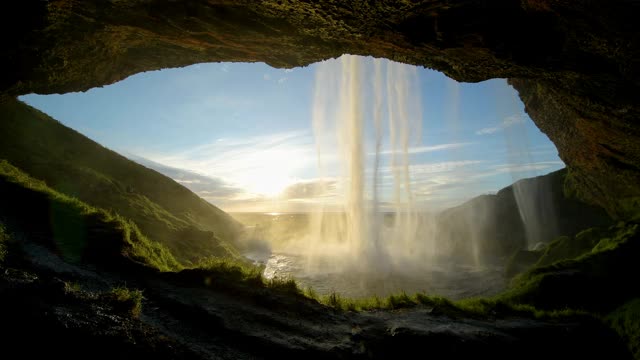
<point x="375" y="234"/>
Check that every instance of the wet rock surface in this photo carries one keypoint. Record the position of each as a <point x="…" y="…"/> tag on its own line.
<point x="62" y="308"/>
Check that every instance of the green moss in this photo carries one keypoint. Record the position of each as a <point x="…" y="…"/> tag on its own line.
<point x="595" y="281"/>
<point x="625" y="320"/>
<point x="128" y="300"/>
<point x="4" y="238"/>
<point x="567" y="247"/>
<point x="630" y="207"/>
<point x="521" y="261"/>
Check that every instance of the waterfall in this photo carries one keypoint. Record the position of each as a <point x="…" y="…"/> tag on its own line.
<point x="361" y="105"/>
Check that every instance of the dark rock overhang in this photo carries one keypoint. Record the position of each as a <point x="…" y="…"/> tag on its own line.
<point x="574" y="63"/>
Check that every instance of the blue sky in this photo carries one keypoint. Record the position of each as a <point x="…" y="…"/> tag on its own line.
<point x="240" y="135"/>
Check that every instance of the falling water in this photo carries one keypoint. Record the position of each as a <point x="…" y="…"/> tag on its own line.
<point x="372" y="227"/>
<point x="533" y="198"/>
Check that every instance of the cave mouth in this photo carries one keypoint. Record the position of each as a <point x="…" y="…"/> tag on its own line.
<point x="241" y="136"/>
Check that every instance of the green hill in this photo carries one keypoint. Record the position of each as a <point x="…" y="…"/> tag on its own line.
<point x="76" y="166"/>
<point x="74" y="230"/>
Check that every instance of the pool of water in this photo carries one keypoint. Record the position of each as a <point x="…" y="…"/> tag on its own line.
<point x="450" y="280"/>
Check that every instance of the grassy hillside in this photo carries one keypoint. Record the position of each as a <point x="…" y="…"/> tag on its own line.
<point x="76" y="231"/>
<point x="76" y="166"/>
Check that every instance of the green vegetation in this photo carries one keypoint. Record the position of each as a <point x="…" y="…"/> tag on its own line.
<point x="468" y="308"/>
<point x="562" y="248"/>
<point x="229" y="271"/>
<point x="73" y="165"/>
<point x="4" y="238"/>
<point x="225" y="273"/>
<point x="594" y="281"/>
<point x="71" y="287"/>
<point x="93" y="205"/>
<point x="521" y="261"/>
<point x="129" y="300"/>
<point x="567" y="247"/>
<point x="74" y="229"/>
<point x="625" y="320"/>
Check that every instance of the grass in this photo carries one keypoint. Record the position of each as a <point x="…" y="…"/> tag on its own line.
<point x="75" y="230"/>
<point x="229" y="270"/>
<point x="480" y="308"/>
<point x="129" y="300"/>
<point x="227" y="273"/>
<point x="73" y="165"/>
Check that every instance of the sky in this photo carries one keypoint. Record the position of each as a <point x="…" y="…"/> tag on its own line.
<point x="241" y="136"/>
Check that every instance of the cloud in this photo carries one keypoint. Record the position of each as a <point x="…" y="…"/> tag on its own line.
<point x="262" y="165"/>
<point x="204" y="186"/>
<point x="266" y="77"/>
<point x="224" y="68"/>
<point x="288" y="70"/>
<point x="426" y="149"/>
<point x="488" y="130"/>
<point x="508" y="122"/>
<point x="310" y="189"/>
<point x="536" y="166"/>
<point x="435" y="167"/>
<point x="282" y="80"/>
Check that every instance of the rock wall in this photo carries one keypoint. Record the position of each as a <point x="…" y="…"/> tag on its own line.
<point x="575" y="63"/>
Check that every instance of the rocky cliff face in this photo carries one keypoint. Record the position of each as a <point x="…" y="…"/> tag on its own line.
<point x="530" y="212"/>
<point x="575" y="63"/>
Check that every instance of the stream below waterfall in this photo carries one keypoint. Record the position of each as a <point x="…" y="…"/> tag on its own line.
<point x="450" y="280"/>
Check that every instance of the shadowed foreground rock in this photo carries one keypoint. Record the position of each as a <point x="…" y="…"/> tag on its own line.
<point x="51" y="305"/>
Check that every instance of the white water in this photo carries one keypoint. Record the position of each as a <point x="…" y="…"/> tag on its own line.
<point x="360" y="105"/>
<point x="371" y="237"/>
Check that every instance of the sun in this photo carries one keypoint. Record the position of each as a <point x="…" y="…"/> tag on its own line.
<point x="270" y="173"/>
<point x="269" y="184"/>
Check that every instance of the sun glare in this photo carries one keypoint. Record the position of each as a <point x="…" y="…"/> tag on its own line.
<point x="269" y="183"/>
<point x="271" y="173"/>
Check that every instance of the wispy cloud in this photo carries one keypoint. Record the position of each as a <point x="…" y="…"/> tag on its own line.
<point x="272" y="172"/>
<point x="509" y="121"/>
<point x="536" y="166"/>
<point x="288" y="70"/>
<point x="435" y="167"/>
<point x="282" y="80"/>
<point x="266" y="77"/>
<point x="204" y="186"/>
<point x="310" y="189"/>
<point x="426" y="149"/>
<point x="260" y="165"/>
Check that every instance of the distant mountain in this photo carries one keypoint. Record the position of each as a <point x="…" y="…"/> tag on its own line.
<point x="520" y="216"/>
<point x="74" y="165"/>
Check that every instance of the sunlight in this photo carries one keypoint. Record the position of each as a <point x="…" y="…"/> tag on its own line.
<point x="271" y="173"/>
